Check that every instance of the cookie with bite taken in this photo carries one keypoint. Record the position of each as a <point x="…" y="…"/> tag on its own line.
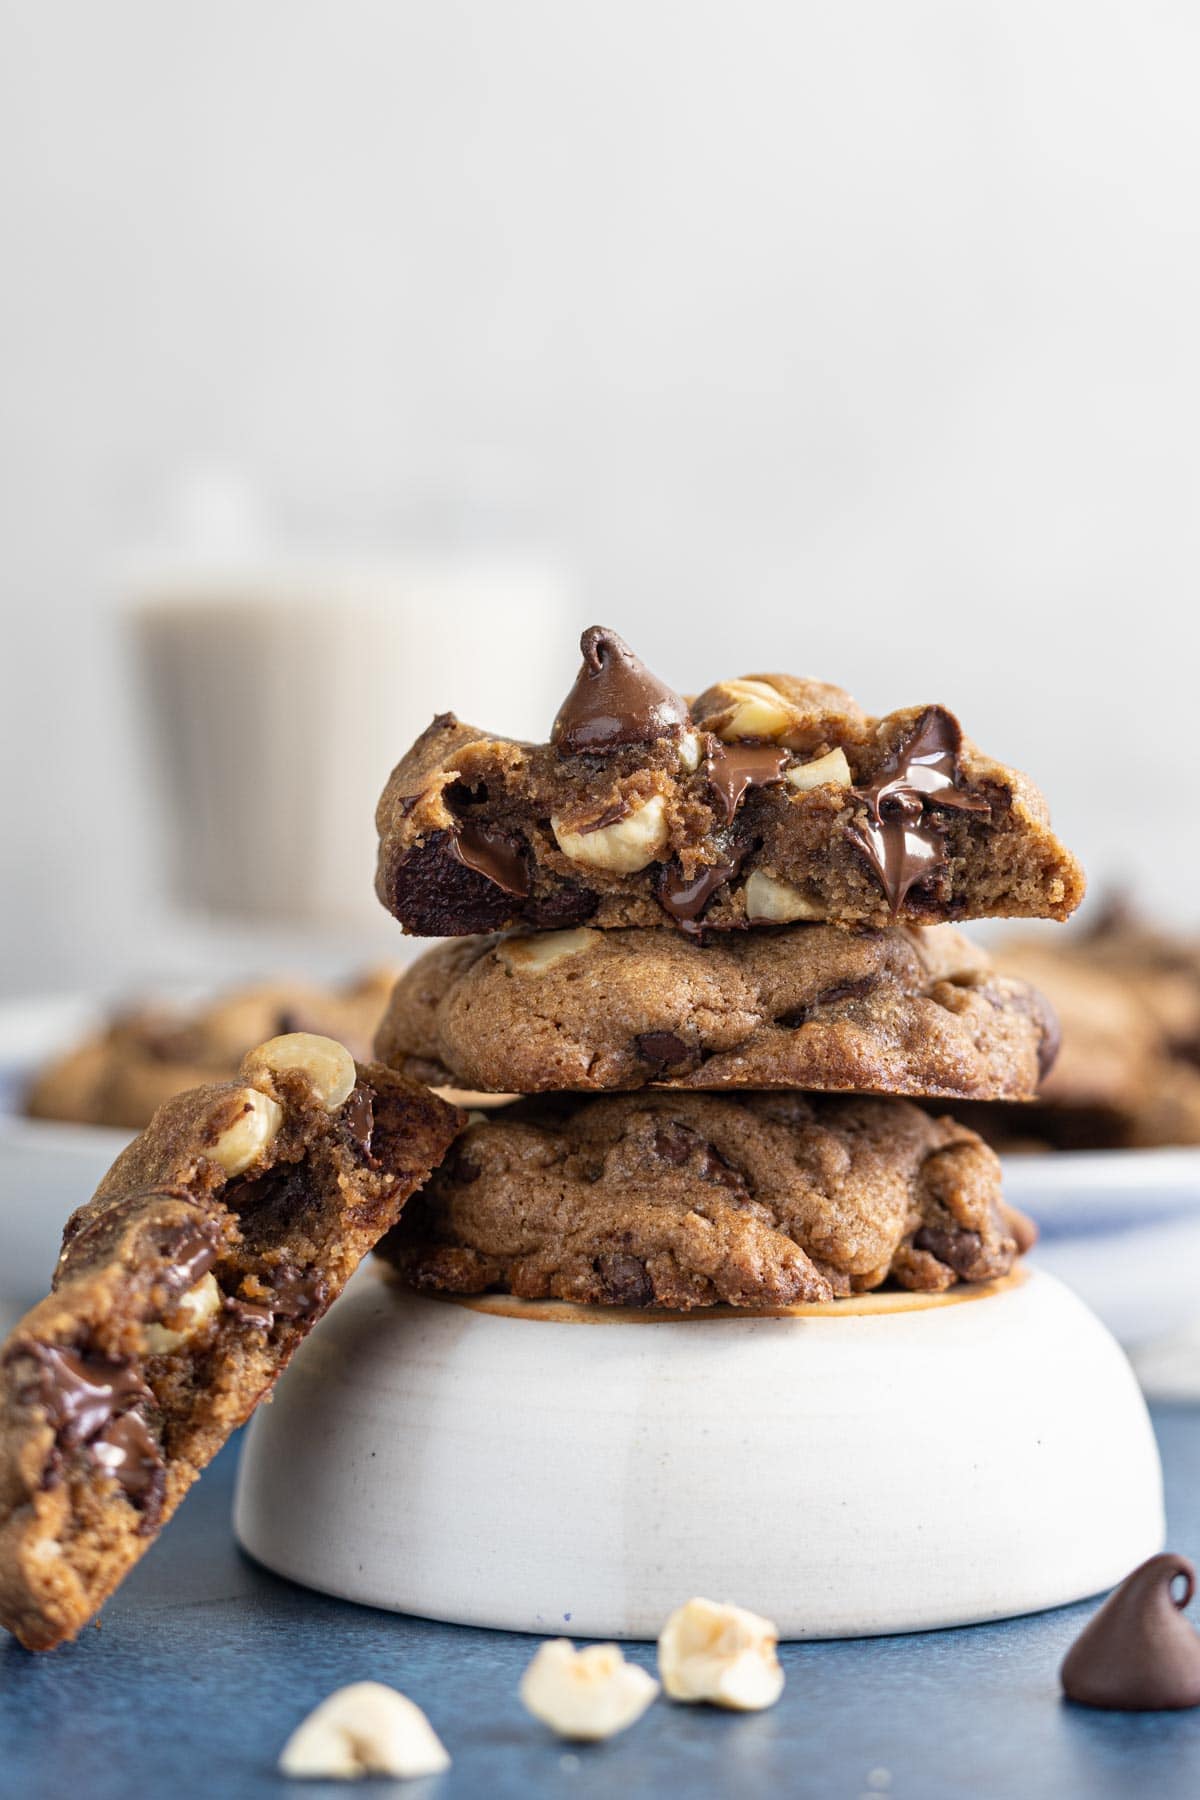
<point x="767" y="800"/>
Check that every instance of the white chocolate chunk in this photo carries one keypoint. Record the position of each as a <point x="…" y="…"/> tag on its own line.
<point x="252" y="1132"/>
<point x="770" y="901"/>
<point x="623" y="847"/>
<point x="534" y="955"/>
<point x="585" y="1694"/>
<point x="722" y="1654"/>
<point x="191" y="1312"/>
<point x="824" y="771"/>
<point x="364" y="1729"/>
<point x="328" y="1065"/>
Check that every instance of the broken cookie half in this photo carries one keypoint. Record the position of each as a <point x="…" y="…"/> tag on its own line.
<point x="210" y="1249"/>
<point x="769" y="799"/>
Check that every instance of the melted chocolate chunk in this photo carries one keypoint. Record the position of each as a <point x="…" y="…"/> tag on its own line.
<point x="733" y="769"/>
<point x="358" y="1115"/>
<point x="191" y="1249"/>
<point x="615" y="700"/>
<point x="81" y="1394"/>
<point x="901" y="836"/>
<point x="1139" y="1653"/>
<point x="192" y="1252"/>
<point x="664" y="1050"/>
<point x="90" y="1401"/>
<point x="625" y="1280"/>
<point x="685" y="900"/>
<point x="493" y="855"/>
<point x="294" y="1295"/>
<point x="128" y="1451"/>
<point x="436" y="894"/>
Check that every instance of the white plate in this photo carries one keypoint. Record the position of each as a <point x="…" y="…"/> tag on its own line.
<point x="1088" y="1191"/>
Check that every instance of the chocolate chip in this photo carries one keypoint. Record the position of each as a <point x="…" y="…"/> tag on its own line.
<point x="625" y="1280"/>
<point x="495" y="855"/>
<point x="292" y="1294"/>
<point x="678" y="1144"/>
<point x="674" y="1143"/>
<point x="358" y="1116"/>
<point x="664" y="1050"/>
<point x="958" y="1249"/>
<point x="900" y="836"/>
<point x="686" y="900"/>
<point x="1139" y="1653"/>
<point x="434" y="893"/>
<point x="615" y="700"/>
<point x="93" y="1403"/>
<point x="733" y="769"/>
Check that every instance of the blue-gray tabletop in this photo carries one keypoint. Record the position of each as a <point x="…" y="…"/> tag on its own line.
<point x="205" y="1662"/>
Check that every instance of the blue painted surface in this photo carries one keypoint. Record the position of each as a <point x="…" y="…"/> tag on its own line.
<point x="205" y="1663"/>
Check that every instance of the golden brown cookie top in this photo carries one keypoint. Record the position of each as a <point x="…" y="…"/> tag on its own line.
<point x="684" y="1200"/>
<point x="901" y="1011"/>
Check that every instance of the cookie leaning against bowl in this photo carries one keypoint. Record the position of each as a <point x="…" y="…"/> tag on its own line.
<point x="686" y="1200"/>
<point x="210" y="1249"/>
<point x="901" y="1011"/>
<point x="769" y="799"/>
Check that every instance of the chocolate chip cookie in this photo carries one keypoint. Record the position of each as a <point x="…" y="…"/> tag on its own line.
<point x="903" y="1010"/>
<point x="210" y="1249"/>
<point x="768" y="800"/>
<point x="687" y="1200"/>
<point x="1127" y="1076"/>
<point x="121" y="1074"/>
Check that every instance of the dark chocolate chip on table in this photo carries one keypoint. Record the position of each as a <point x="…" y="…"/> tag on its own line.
<point x="1139" y="1653"/>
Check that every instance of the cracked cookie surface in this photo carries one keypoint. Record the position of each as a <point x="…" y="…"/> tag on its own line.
<point x="121" y="1074"/>
<point x="769" y="799"/>
<point x="897" y="1011"/>
<point x="210" y="1249"/>
<point x="690" y="1200"/>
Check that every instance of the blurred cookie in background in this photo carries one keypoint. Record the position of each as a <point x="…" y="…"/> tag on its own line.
<point x="122" y="1073"/>
<point x="1127" y="995"/>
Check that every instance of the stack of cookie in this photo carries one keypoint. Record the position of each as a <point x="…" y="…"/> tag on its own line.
<point x="709" y="943"/>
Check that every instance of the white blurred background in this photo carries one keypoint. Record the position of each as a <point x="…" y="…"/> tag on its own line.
<point x="858" y="340"/>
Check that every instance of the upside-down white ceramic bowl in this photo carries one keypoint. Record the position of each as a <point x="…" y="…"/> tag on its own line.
<point x="894" y="1463"/>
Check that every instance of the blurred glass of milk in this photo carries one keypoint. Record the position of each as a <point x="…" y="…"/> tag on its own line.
<point x="282" y="690"/>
